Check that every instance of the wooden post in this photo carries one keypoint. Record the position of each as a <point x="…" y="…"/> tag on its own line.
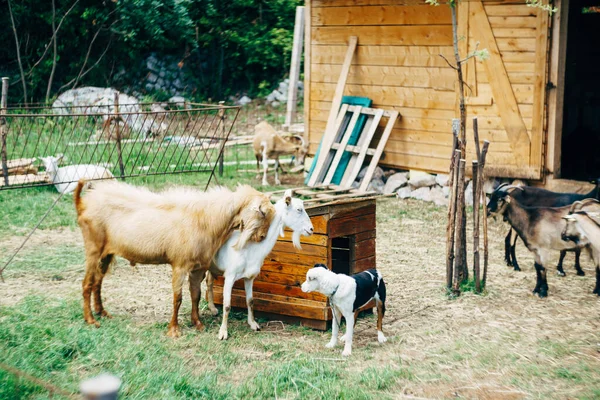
<point x="481" y="177"/>
<point x="222" y="147"/>
<point x="4" y="129"/>
<point x="118" y="136"/>
<point x="450" y="229"/>
<point x="330" y="128"/>
<point x="460" y="238"/>
<point x="476" y="198"/>
<point x="290" y="115"/>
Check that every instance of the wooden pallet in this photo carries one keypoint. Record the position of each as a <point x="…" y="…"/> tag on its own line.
<point x="334" y="150"/>
<point x="325" y="195"/>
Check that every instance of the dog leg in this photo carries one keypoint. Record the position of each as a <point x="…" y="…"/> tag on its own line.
<point x="250" y="304"/>
<point x="343" y="338"/>
<point x="380" y="336"/>
<point x="210" y="279"/>
<point x="196" y="277"/>
<point x="335" y="328"/>
<point x="227" y="288"/>
<point x="349" y="333"/>
<point x="177" y="282"/>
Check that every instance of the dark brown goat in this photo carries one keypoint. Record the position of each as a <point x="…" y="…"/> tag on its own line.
<point x="536" y="197"/>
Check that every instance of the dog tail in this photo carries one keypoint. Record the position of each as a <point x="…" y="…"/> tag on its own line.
<point x="381" y="293"/>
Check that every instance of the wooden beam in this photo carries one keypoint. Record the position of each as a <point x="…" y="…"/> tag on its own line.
<point x="295" y="67"/>
<point x="307" y="67"/>
<point x="353" y="149"/>
<point x="363" y="153"/>
<point x="342" y="146"/>
<point x="330" y="130"/>
<point x="539" y="90"/>
<point x="502" y="90"/>
<point x="558" y="57"/>
<point x="380" y="146"/>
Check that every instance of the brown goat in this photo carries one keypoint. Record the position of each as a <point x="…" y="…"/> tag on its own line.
<point x="180" y="227"/>
<point x="268" y="143"/>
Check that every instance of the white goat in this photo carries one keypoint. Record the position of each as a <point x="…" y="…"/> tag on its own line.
<point x="268" y="143"/>
<point x="247" y="262"/>
<point x="65" y="178"/>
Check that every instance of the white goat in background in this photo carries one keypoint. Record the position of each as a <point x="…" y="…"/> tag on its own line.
<point x="65" y="178"/>
<point x="268" y="143"/>
<point x="247" y="262"/>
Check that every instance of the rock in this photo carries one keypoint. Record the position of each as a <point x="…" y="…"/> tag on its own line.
<point x="419" y="179"/>
<point x="244" y="100"/>
<point x="272" y="96"/>
<point x="403" y="193"/>
<point x="438" y="197"/>
<point x="490" y="184"/>
<point x="395" y="182"/>
<point x="376" y="185"/>
<point x="152" y="78"/>
<point x="518" y="182"/>
<point x="469" y="194"/>
<point x="275" y="104"/>
<point x="446" y="191"/>
<point x="156" y="108"/>
<point x="388" y="173"/>
<point x="442" y="179"/>
<point x="422" y="193"/>
<point x="178" y="101"/>
<point x="377" y="174"/>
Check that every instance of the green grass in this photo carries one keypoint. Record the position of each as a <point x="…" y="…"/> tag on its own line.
<point x="47" y="338"/>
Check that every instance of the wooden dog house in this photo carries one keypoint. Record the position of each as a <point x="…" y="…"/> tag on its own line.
<point x="343" y="239"/>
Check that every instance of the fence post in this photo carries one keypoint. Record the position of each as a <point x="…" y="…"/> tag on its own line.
<point x="222" y="146"/>
<point x="4" y="128"/>
<point x="116" y="118"/>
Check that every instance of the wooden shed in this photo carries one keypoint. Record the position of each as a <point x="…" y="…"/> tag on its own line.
<point x="532" y="96"/>
<point x="343" y="239"/>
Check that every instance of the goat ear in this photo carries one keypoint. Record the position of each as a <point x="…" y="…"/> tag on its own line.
<point x="288" y="197"/>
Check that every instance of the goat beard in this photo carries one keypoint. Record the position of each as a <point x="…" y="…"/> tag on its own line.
<point x="296" y="240"/>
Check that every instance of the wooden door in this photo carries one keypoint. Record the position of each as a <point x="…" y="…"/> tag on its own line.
<point x="507" y="91"/>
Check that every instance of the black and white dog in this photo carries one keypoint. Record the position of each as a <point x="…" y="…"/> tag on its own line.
<point x="347" y="294"/>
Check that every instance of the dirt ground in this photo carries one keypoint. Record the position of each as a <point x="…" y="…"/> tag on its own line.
<point x="505" y="344"/>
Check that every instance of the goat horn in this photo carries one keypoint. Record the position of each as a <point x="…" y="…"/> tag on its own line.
<point x="511" y="188"/>
<point x="579" y="204"/>
<point x="301" y="139"/>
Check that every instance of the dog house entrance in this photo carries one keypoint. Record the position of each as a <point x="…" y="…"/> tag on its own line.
<point x="341" y="257"/>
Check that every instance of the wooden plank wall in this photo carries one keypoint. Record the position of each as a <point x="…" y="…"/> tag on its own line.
<point x="397" y="64"/>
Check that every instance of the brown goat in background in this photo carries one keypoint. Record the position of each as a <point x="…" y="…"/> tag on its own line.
<point x="180" y="227"/>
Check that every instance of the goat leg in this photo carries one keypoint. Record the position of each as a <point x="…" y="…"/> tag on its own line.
<point x="250" y="304"/>
<point x="507" y="241"/>
<point x="177" y="282"/>
<point x="88" y="284"/>
<point x="210" y="279"/>
<point x="277" y="167"/>
<point x="227" y="288"/>
<point x="97" y="288"/>
<point x="513" y="254"/>
<point x="196" y="277"/>
<point x="580" y="272"/>
<point x="559" y="268"/>
<point x="541" y="287"/>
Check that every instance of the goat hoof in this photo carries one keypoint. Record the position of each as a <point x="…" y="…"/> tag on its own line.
<point x="561" y="273"/>
<point x="199" y="326"/>
<point x="596" y="291"/>
<point x="580" y="273"/>
<point x="223" y="334"/>
<point x="214" y="311"/>
<point x="174" y="332"/>
<point x="330" y="345"/>
<point x="104" y="314"/>
<point x="346" y="352"/>
<point x="92" y="321"/>
<point x="343" y="339"/>
<point x="254" y="326"/>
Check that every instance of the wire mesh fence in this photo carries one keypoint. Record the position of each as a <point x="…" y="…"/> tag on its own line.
<point x="127" y="139"/>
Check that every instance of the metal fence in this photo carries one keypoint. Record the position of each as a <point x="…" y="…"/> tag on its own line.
<point x="129" y="140"/>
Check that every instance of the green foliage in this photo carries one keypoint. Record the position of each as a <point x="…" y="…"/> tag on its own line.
<point x="225" y="47"/>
